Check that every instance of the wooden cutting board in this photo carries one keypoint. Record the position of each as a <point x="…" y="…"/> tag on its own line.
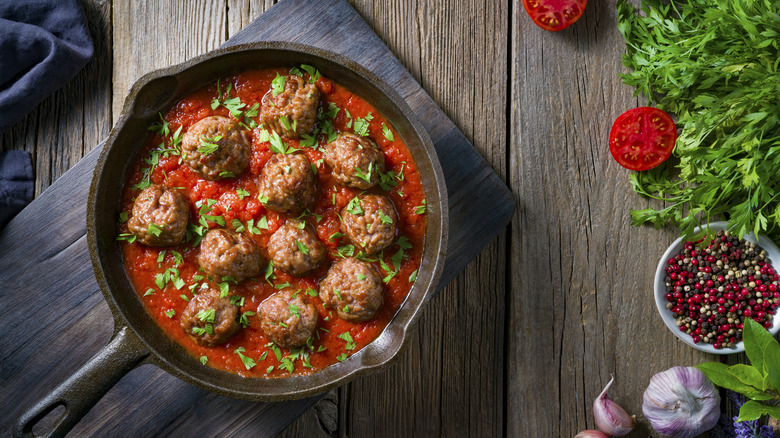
<point x="54" y="318"/>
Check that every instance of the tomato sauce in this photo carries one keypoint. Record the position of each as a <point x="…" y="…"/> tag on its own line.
<point x="249" y="352"/>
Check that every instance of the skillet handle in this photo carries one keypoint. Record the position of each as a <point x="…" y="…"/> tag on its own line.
<point x="81" y="391"/>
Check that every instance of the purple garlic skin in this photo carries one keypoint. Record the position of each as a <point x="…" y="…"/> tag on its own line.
<point x="610" y="417"/>
<point x="681" y="402"/>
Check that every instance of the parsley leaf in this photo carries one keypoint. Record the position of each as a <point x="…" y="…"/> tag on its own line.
<point x="713" y="65"/>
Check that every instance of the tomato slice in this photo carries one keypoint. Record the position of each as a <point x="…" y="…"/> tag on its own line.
<point x="554" y="15"/>
<point x="642" y="138"/>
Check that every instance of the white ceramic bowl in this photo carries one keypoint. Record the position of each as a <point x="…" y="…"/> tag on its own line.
<point x="773" y="253"/>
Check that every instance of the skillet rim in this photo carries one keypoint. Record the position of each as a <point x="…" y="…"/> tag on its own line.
<point x="395" y="334"/>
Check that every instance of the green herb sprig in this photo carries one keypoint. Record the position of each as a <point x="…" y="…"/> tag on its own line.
<point x="759" y="381"/>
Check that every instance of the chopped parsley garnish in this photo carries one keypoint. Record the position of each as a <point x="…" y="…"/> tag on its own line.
<point x="249" y="363"/>
<point x="244" y="320"/>
<point x="170" y="313"/>
<point x="364" y="176"/>
<point x="269" y="272"/>
<point x="341" y="357"/>
<point x="385" y="219"/>
<point x="160" y="128"/>
<point x="238" y="226"/>
<point x="208" y="145"/>
<point x="242" y="193"/>
<point x="333" y="110"/>
<point x="204" y="360"/>
<point x="302" y="247"/>
<point x="387" y="132"/>
<point x="250" y="225"/>
<point x="155" y="229"/>
<point x="278" y="146"/>
<point x="224" y="289"/>
<point x="123" y="217"/>
<point x="308" y="141"/>
<point x="200" y="331"/>
<point x="413" y="277"/>
<point x="420" y="209"/>
<point x="335" y="236"/>
<point x="262" y="198"/>
<point x="277" y="85"/>
<point x="346" y="250"/>
<point x="295" y="310"/>
<point x="361" y="125"/>
<point x="206" y="315"/>
<point x="361" y="277"/>
<point x="129" y="237"/>
<point x="311" y="292"/>
<point x="314" y="74"/>
<point x="404" y="243"/>
<point x="354" y="206"/>
<point x="269" y="369"/>
<point x="148" y="292"/>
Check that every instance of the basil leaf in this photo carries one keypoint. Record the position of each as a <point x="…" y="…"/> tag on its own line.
<point x="753" y="410"/>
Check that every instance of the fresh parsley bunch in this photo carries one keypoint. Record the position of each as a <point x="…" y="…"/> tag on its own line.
<point x="714" y="64"/>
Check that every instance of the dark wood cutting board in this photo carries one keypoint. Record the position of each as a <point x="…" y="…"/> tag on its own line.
<point x="54" y="318"/>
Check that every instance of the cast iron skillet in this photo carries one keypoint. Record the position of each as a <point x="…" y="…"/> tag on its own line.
<point x="137" y="338"/>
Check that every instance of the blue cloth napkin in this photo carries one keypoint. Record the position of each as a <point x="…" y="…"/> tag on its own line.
<point x="43" y="44"/>
<point x="16" y="184"/>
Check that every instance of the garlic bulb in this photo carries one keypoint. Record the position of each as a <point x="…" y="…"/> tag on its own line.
<point x="591" y="434"/>
<point x="681" y="402"/>
<point x="610" y="417"/>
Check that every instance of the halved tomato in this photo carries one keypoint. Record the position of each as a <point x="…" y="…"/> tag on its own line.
<point x="554" y="15"/>
<point x="642" y="138"/>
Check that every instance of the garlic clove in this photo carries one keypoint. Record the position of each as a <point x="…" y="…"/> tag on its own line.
<point x="591" y="434"/>
<point x="610" y="417"/>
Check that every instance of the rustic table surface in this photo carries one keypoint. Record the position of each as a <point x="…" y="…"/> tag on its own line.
<point x="522" y="341"/>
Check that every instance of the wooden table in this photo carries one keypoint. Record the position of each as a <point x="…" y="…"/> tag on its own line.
<point x="523" y="340"/>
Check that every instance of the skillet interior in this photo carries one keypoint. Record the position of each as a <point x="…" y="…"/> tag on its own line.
<point x="156" y="92"/>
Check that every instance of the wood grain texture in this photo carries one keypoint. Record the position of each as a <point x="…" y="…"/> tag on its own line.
<point x="152" y="35"/>
<point x="450" y="381"/>
<point x="582" y="305"/>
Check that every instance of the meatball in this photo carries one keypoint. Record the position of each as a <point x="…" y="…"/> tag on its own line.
<point x="216" y="148"/>
<point x="355" y="161"/>
<point x="159" y="216"/>
<point x="369" y="222"/>
<point x="295" y="249"/>
<point x="354" y="288"/>
<point x="287" y="181"/>
<point x="287" y="319"/>
<point x="224" y="253"/>
<point x="292" y="112"/>
<point x="210" y="319"/>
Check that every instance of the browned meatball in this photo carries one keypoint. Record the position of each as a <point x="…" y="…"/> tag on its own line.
<point x="369" y="222"/>
<point x="159" y="216"/>
<point x="227" y="254"/>
<point x="292" y="112"/>
<point x="354" y="288"/>
<point x="287" y="182"/>
<point x="216" y="148"/>
<point x="356" y="161"/>
<point x="209" y="319"/>
<point x="287" y="319"/>
<point x="295" y="249"/>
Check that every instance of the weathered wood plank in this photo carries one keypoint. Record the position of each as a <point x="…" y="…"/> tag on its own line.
<point x="450" y="380"/>
<point x="582" y="303"/>
<point x="152" y="35"/>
